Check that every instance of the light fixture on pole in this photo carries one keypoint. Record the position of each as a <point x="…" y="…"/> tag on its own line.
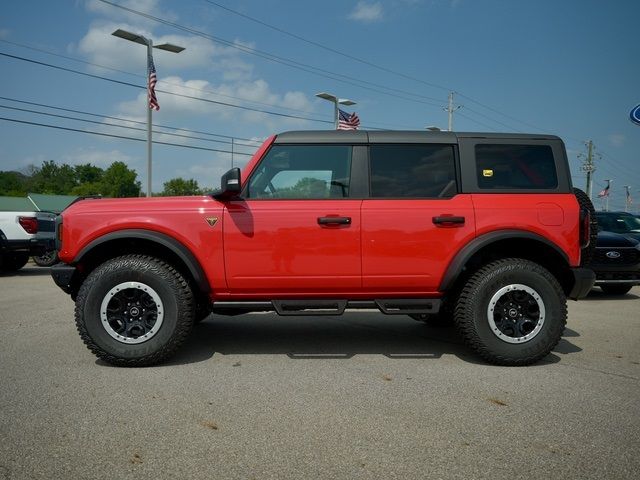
<point x="336" y="101"/>
<point x="133" y="37"/>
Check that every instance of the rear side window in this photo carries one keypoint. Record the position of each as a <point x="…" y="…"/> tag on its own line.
<point x="303" y="172"/>
<point x="515" y="167"/>
<point x="412" y="171"/>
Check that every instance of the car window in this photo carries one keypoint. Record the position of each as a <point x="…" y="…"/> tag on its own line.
<point x="515" y="167"/>
<point x="302" y="172"/>
<point x="618" y="223"/>
<point x="417" y="171"/>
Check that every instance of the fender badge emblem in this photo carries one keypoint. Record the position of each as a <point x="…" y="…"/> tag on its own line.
<point x="212" y="221"/>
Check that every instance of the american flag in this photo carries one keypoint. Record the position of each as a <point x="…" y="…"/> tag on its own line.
<point x="348" y="121"/>
<point x="151" y="85"/>
<point x="605" y="191"/>
<point x="629" y="201"/>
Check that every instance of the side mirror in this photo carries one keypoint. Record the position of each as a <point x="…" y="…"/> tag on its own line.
<point x="230" y="184"/>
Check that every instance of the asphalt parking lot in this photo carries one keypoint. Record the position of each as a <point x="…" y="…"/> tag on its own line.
<point x="359" y="396"/>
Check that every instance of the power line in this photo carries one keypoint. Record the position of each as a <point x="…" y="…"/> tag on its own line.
<point x="66" y="117"/>
<point x="74" y="59"/>
<point x="329" y="49"/>
<point x="57" y="127"/>
<point x="258" y="142"/>
<point x="284" y="61"/>
<point x="120" y="82"/>
<point x="371" y="64"/>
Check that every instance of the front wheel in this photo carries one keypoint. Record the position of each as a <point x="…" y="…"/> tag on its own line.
<point x="511" y="312"/>
<point x="134" y="311"/>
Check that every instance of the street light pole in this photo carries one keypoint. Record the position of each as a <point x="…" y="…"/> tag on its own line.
<point x="148" y="42"/>
<point x="336" y="101"/>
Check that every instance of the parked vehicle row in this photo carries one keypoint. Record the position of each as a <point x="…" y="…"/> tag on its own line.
<point x="24" y="234"/>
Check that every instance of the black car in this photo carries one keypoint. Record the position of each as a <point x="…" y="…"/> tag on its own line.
<point x="616" y="259"/>
<point x="619" y="222"/>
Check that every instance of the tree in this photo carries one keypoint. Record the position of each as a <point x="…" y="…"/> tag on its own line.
<point x="88" y="173"/>
<point x="119" y="181"/>
<point x="180" y="186"/>
<point x="13" y="184"/>
<point x="53" y="179"/>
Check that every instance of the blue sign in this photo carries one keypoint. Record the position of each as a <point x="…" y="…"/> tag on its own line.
<point x="635" y="115"/>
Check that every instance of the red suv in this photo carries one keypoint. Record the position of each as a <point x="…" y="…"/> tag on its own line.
<point x="484" y="230"/>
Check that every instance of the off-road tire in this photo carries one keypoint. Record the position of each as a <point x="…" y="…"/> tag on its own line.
<point x="47" y="259"/>
<point x="13" y="261"/>
<point x="586" y="254"/>
<point x="615" y="289"/>
<point x="167" y="285"/>
<point x="472" y="318"/>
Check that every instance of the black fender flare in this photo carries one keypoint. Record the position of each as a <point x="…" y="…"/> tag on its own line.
<point x="478" y="243"/>
<point x="182" y="252"/>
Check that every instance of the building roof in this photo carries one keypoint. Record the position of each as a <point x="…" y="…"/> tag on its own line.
<point x="16" y="204"/>
<point x="51" y="203"/>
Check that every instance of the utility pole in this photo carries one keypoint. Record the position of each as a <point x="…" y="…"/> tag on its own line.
<point x="450" y="109"/>
<point x="588" y="167"/>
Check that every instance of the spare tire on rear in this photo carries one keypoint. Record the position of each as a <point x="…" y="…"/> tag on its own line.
<point x="586" y="254"/>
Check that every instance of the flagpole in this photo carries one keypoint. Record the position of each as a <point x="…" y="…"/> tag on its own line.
<point x="149" y="117"/>
<point x="137" y="38"/>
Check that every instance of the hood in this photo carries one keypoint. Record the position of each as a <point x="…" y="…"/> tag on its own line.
<point x="616" y="240"/>
<point x="140" y="205"/>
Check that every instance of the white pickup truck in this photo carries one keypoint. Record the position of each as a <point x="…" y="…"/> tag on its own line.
<point x="25" y="233"/>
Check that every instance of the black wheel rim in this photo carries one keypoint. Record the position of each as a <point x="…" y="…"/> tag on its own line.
<point x="132" y="312"/>
<point x="516" y="313"/>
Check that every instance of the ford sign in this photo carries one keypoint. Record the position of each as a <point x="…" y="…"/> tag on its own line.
<point x="635" y="115"/>
<point x="613" y="254"/>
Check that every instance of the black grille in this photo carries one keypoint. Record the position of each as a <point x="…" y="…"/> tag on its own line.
<point x="628" y="256"/>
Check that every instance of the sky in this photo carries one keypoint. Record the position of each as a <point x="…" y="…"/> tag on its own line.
<point x="252" y="68"/>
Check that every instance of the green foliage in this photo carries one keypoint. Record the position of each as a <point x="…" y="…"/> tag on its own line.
<point x="12" y="184"/>
<point x="116" y="181"/>
<point x="120" y="181"/>
<point x="180" y="186"/>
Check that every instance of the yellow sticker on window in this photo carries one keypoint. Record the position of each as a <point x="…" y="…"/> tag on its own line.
<point x="487" y="173"/>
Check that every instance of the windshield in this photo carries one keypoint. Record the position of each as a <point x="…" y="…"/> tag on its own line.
<point x="619" y="223"/>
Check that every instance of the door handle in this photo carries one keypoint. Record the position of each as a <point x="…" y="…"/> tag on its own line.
<point x="445" y="220"/>
<point x="334" y="220"/>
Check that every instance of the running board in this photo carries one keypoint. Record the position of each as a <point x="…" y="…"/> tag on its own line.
<point x="309" y="307"/>
<point x="408" y="306"/>
<point x="388" y="306"/>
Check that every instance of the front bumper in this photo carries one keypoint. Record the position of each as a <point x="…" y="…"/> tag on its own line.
<point x="583" y="281"/>
<point x="64" y="275"/>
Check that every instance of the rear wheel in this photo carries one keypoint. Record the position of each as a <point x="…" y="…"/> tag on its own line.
<point x="47" y="259"/>
<point x="134" y="311"/>
<point x="13" y="261"/>
<point x="511" y="312"/>
<point x="615" y="289"/>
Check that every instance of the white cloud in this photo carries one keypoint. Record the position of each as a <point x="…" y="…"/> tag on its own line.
<point x="367" y="12"/>
<point x="617" y="139"/>
<point x="172" y="106"/>
<point x="151" y="7"/>
<point x="99" y="46"/>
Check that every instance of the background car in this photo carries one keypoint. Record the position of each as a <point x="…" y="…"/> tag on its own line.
<point x="619" y="222"/>
<point x="616" y="259"/>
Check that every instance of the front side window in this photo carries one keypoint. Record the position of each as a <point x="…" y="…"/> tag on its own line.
<point x="515" y="167"/>
<point x="417" y="171"/>
<point x="303" y="172"/>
